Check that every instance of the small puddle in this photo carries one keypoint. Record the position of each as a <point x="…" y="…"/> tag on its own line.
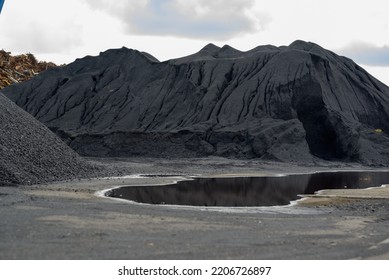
<point x="248" y="191"/>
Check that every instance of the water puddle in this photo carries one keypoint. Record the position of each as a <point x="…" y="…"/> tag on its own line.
<point x="247" y="191"/>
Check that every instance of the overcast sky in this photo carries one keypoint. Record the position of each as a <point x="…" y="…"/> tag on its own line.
<point x="61" y="31"/>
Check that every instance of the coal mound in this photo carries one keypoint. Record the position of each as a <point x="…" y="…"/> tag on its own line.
<point x="292" y="103"/>
<point x="30" y="153"/>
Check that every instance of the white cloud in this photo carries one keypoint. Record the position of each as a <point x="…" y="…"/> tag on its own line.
<point x="56" y="39"/>
<point x="185" y="18"/>
<point x="39" y="26"/>
<point x="367" y="54"/>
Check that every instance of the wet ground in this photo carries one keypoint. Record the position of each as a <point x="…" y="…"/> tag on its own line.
<point x="67" y="220"/>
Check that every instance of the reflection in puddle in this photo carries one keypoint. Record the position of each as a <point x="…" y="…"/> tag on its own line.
<point x="248" y="191"/>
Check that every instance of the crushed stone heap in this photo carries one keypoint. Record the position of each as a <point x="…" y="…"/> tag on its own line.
<point x="30" y="153"/>
<point x="291" y="103"/>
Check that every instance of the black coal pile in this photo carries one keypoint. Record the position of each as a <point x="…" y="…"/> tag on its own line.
<point x="30" y="153"/>
<point x="292" y="103"/>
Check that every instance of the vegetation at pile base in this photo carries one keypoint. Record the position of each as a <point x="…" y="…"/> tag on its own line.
<point x="19" y="68"/>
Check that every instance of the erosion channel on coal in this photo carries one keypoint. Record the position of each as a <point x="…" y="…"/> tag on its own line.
<point x="248" y="191"/>
<point x="292" y="103"/>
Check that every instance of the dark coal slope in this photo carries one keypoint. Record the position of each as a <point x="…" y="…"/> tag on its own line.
<point x="30" y="153"/>
<point x="288" y="103"/>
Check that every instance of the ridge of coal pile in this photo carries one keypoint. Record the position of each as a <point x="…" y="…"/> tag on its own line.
<point x="30" y="153"/>
<point x="292" y="103"/>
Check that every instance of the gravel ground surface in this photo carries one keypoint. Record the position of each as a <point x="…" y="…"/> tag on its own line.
<point x="67" y="220"/>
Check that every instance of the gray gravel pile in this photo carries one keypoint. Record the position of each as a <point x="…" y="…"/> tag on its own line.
<point x="30" y="153"/>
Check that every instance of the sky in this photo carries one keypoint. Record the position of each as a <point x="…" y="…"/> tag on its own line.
<point x="61" y="31"/>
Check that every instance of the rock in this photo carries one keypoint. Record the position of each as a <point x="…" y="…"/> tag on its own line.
<point x="291" y="103"/>
<point x="30" y="153"/>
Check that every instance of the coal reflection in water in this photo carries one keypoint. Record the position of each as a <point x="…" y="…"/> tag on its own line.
<point x="248" y="191"/>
